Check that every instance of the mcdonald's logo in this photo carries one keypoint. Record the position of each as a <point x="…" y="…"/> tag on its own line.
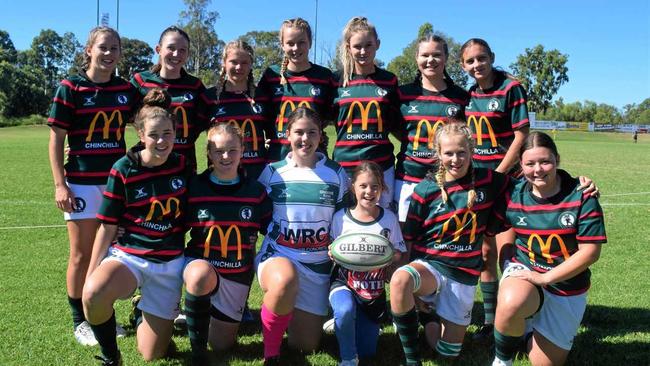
<point x="545" y="247"/>
<point x="183" y="119"/>
<point x="247" y="122"/>
<point x="365" y="111"/>
<point x="283" y="110"/>
<point x="478" y="127"/>
<point x="107" y="124"/>
<point x="431" y="133"/>
<point x="166" y="209"/>
<point x="460" y="226"/>
<point x="223" y="238"/>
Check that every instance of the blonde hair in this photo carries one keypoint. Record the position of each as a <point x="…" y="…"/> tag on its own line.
<point x="237" y="45"/>
<point x="454" y="127"/>
<point x="92" y="37"/>
<point x="354" y="25"/>
<point x="300" y="24"/>
<point x="223" y="128"/>
<point x="156" y="104"/>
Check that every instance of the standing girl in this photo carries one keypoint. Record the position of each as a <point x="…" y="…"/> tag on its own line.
<point x="293" y="267"/>
<point x="358" y="299"/>
<point x="559" y="232"/>
<point x="425" y="104"/>
<point x="234" y="95"/>
<point x="189" y="102"/>
<point x="447" y="219"/>
<point x="498" y="116"/>
<point x="145" y="195"/>
<point x="297" y="82"/>
<point x="90" y="109"/>
<point x="366" y="104"/>
<point x="225" y="211"/>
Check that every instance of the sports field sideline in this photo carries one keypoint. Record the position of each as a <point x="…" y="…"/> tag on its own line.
<point x="36" y="329"/>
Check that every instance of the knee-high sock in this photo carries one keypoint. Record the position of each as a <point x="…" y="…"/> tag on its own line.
<point x="273" y="328"/>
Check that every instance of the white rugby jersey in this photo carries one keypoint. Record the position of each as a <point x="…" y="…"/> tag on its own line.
<point x="385" y="225"/>
<point x="304" y="201"/>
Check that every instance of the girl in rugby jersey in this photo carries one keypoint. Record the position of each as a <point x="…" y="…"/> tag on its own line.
<point x="559" y="232"/>
<point x="448" y="217"/>
<point x="293" y="267"/>
<point x="426" y="103"/>
<point x="234" y="103"/>
<point x="498" y="117"/>
<point x="365" y="104"/>
<point x="90" y="110"/>
<point x="189" y="102"/>
<point x="145" y="195"/>
<point x="297" y="82"/>
<point x="358" y="306"/>
<point x="225" y="211"/>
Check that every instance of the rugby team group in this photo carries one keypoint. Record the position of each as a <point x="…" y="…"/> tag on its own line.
<point x="470" y="190"/>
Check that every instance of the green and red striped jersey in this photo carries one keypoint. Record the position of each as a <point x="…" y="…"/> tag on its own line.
<point x="549" y="230"/>
<point x="240" y="109"/>
<point x="367" y="111"/>
<point x="313" y="88"/>
<point x="189" y="105"/>
<point x="94" y="117"/>
<point x="449" y="235"/>
<point x="494" y="115"/>
<point x="149" y="204"/>
<point x="224" y="221"/>
<point x="422" y="112"/>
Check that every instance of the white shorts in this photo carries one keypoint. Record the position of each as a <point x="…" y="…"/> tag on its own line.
<point x="159" y="283"/>
<point x="453" y="301"/>
<point x="88" y="199"/>
<point x="559" y="318"/>
<point x="313" y="286"/>
<point x="402" y="197"/>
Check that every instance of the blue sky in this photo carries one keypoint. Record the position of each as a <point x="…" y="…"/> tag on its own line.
<point x="607" y="41"/>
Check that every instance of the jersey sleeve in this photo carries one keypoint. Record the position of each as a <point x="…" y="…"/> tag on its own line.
<point x="263" y="96"/>
<point x="517" y="99"/>
<point x="396" y="237"/>
<point x="393" y="108"/>
<point x="344" y="198"/>
<point x="591" y="223"/>
<point x="337" y="224"/>
<point x="497" y="220"/>
<point x="203" y="105"/>
<point x="266" y="209"/>
<point x="63" y="107"/>
<point x="114" y="199"/>
<point x="415" y="217"/>
<point x="265" y="178"/>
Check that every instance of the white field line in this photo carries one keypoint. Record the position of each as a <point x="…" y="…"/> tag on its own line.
<point x="30" y="227"/>
<point x="624" y="194"/>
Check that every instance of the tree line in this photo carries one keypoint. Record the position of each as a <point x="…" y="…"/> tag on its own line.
<point x="29" y="78"/>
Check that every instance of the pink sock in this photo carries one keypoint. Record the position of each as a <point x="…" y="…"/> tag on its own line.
<point x="273" y="328"/>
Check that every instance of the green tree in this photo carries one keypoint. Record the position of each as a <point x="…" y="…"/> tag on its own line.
<point x="136" y="56"/>
<point x="638" y="113"/>
<point x="7" y="50"/>
<point x="405" y="67"/>
<point x="205" y="45"/>
<point x="21" y="91"/>
<point x="542" y="73"/>
<point x="54" y="55"/>
<point x="267" y="50"/>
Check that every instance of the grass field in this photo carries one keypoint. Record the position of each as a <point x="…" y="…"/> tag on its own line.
<point x="35" y="324"/>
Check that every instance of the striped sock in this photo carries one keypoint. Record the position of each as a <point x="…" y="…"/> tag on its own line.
<point x="197" y="311"/>
<point x="407" y="328"/>
<point x="107" y="337"/>
<point x="77" y="309"/>
<point x="505" y="346"/>
<point x="448" y="349"/>
<point x="489" y="291"/>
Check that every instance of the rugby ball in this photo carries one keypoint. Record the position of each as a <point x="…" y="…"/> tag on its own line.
<point x="361" y="251"/>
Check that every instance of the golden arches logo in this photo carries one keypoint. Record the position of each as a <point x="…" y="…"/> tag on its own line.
<point x="292" y="105"/>
<point x="460" y="226"/>
<point x="545" y="247"/>
<point x="242" y="127"/>
<point x="183" y="119"/>
<point x="431" y="133"/>
<point x="107" y="125"/>
<point x="223" y="238"/>
<point x="478" y="127"/>
<point x="365" y="112"/>
<point x="165" y="208"/>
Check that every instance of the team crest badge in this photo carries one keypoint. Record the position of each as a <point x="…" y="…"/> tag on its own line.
<point x="246" y="213"/>
<point x="176" y="183"/>
<point x="257" y="108"/>
<point x="79" y="205"/>
<point x="385" y="232"/>
<point x="139" y="193"/>
<point x="480" y="196"/>
<point x="452" y="110"/>
<point x="89" y="101"/>
<point x="122" y="99"/>
<point x="413" y="109"/>
<point x="381" y="92"/>
<point x="188" y="96"/>
<point x="567" y="219"/>
<point x="315" y="91"/>
<point x="493" y="105"/>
